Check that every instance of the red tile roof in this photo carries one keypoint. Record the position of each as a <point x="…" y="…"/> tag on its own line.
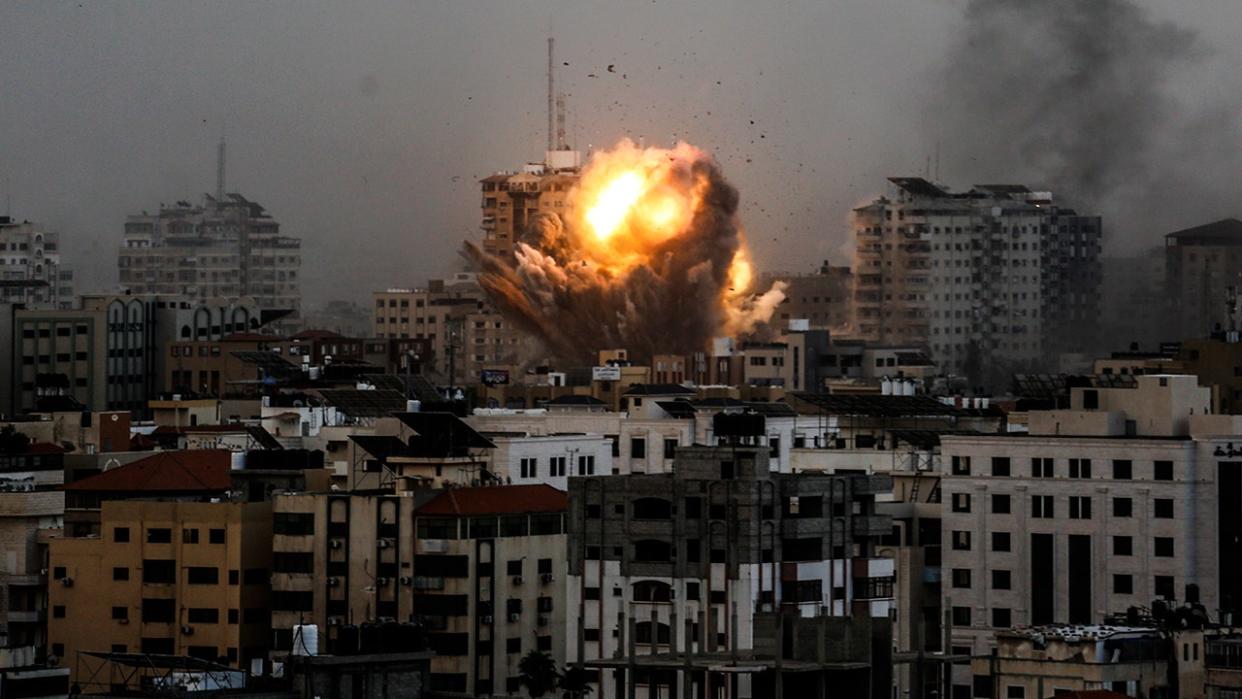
<point x="495" y="500"/>
<point x="190" y="471"/>
<point x="45" y="448"/>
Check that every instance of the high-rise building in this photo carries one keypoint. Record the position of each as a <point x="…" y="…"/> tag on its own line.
<point x="512" y="199"/>
<point x="999" y="271"/>
<point x="228" y="247"/>
<point x="821" y="298"/>
<point x="1203" y="272"/>
<point x="30" y="269"/>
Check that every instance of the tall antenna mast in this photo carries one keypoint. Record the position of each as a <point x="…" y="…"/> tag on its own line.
<point x="220" y="171"/>
<point x="560" y="122"/>
<point x="551" y="94"/>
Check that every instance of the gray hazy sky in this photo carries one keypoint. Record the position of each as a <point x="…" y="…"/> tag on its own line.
<point x="363" y="126"/>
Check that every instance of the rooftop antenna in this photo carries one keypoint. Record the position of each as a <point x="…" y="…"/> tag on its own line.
<point x="220" y="170"/>
<point x="551" y="92"/>
<point x="560" y="122"/>
<point x="937" y="160"/>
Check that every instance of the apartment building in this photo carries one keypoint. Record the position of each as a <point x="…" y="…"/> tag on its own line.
<point x="226" y="247"/>
<point x="465" y="333"/>
<point x="511" y="200"/>
<point x="31" y="272"/>
<point x="172" y="566"/>
<point x="689" y="559"/>
<point x="481" y="569"/>
<point x="1202" y="266"/>
<point x="1130" y="495"/>
<point x="996" y="272"/>
<point x="31" y="507"/>
<point x="113" y="352"/>
<point x="822" y="298"/>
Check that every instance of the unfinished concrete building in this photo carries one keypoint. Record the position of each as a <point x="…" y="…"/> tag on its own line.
<point x="723" y="576"/>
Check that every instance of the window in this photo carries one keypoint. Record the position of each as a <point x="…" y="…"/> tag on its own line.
<point x="120" y="535"/>
<point x="961" y="616"/>
<point x="638" y="448"/>
<point x="1042" y="506"/>
<point x="1123" y="546"/>
<point x="556" y="466"/>
<point x="529" y="467"/>
<point x="58" y="611"/>
<point x="961" y="540"/>
<point x="1080" y="468"/>
<point x="1123" y="469"/>
<point x="1164" y="586"/>
<point x="120" y="613"/>
<point x="1123" y="584"/>
<point x="1002" y="617"/>
<point x="1000" y="465"/>
<point x="961" y="502"/>
<point x="159" y="611"/>
<point x="694" y="508"/>
<point x="1164" y="508"/>
<point x="652" y="508"/>
<point x="1164" y="546"/>
<point x="1001" y="541"/>
<point x="1079" y="507"/>
<point x="961" y="578"/>
<point x="189" y="536"/>
<point x="1015" y="692"/>
<point x="120" y="573"/>
<point x="159" y="536"/>
<point x="652" y="550"/>
<point x="1001" y="579"/>
<point x="586" y="465"/>
<point x="513" y="646"/>
<point x="159" y="571"/>
<point x="670" y="448"/>
<point x="202" y="575"/>
<point x="293" y="523"/>
<point x="1041" y="468"/>
<point x="1122" y="507"/>
<point x="1000" y="504"/>
<point x="961" y="465"/>
<point x="513" y="568"/>
<point x="215" y="536"/>
<point x="1162" y="470"/>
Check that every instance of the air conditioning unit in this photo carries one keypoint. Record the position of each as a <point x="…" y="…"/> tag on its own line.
<point x="543" y="619"/>
<point x="66" y="581"/>
<point x="43" y="571"/>
<point x="187" y="630"/>
<point x="514" y="616"/>
<point x="335" y="543"/>
<point x="384" y="543"/>
<point x="517" y="580"/>
<point x="334" y="621"/>
<point x="486" y="619"/>
<point x="381" y="582"/>
<point x="406" y="580"/>
<point x="333" y="582"/>
<point x="547" y="578"/>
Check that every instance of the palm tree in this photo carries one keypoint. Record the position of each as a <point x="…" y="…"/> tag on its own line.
<point x="575" y="683"/>
<point x="538" y="673"/>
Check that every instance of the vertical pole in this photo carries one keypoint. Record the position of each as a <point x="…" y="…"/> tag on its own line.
<point x="551" y="88"/>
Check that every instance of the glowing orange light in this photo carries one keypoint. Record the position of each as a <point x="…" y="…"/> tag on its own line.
<point x="614" y="203"/>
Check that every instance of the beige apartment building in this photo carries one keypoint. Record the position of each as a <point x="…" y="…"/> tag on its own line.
<point x="1202" y="266"/>
<point x="31" y="272"/>
<point x="164" y="576"/>
<point x="482" y="569"/>
<point x="512" y="199"/>
<point x="1131" y="495"/>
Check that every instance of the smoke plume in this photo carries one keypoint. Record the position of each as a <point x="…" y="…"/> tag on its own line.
<point x="1083" y="97"/>
<point x="649" y="256"/>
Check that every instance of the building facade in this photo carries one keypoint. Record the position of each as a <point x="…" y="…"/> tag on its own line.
<point x="657" y="561"/>
<point x="31" y="272"/>
<point x="1202" y="268"/>
<point x="229" y="247"/>
<point x="998" y="271"/>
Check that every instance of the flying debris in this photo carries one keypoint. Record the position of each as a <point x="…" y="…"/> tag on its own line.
<point x="649" y="256"/>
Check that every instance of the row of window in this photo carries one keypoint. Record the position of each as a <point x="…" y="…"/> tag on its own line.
<point x="1044" y="467"/>
<point x="1122" y="584"/>
<point x="1044" y="506"/>
<point x="528" y="466"/>
<point x="163" y="535"/>
<point x="1123" y="545"/>
<point x="161" y="571"/>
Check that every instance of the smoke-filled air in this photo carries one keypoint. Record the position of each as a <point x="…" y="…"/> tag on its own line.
<point x="649" y="256"/>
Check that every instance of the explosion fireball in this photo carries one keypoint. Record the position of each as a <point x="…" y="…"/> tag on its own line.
<point x="649" y="256"/>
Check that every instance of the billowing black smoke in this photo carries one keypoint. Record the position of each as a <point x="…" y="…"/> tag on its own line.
<point x="671" y="295"/>
<point x="1084" y="97"/>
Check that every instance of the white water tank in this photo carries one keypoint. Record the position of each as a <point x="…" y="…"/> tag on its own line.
<point x="413" y="406"/>
<point x="305" y="639"/>
<point x="886" y="387"/>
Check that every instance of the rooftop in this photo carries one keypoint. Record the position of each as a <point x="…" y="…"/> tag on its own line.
<point x="1226" y="231"/>
<point x="496" y="500"/>
<point x="191" y="471"/>
<point x="658" y="389"/>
